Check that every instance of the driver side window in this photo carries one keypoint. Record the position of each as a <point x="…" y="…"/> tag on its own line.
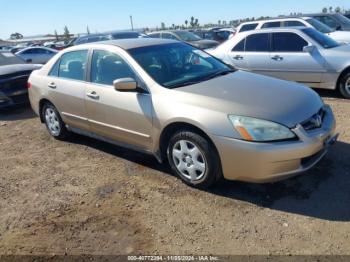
<point x="107" y="67"/>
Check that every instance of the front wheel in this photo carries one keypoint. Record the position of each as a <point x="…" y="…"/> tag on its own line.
<point x="194" y="159"/>
<point x="344" y="85"/>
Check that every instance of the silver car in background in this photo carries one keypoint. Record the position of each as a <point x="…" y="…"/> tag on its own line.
<point x="37" y="55"/>
<point x="298" y="54"/>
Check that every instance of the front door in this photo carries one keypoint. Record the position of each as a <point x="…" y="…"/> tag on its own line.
<point x="122" y="116"/>
<point x="288" y="60"/>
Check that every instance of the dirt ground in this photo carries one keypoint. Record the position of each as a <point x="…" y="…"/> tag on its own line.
<point x="83" y="196"/>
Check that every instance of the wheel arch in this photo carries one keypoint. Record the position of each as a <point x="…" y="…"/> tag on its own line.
<point x="345" y="71"/>
<point x="42" y="102"/>
<point x="174" y="127"/>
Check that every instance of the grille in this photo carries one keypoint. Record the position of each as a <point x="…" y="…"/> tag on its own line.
<point x="315" y="121"/>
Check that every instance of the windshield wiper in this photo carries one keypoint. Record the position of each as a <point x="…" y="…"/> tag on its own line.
<point x="205" y="78"/>
<point x="219" y="73"/>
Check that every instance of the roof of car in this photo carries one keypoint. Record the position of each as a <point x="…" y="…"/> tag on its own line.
<point x="136" y="42"/>
<point x="274" y="29"/>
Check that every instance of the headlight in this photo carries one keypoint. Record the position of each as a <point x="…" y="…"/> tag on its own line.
<point x="252" y="129"/>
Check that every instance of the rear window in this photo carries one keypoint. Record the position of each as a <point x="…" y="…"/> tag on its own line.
<point x="248" y="27"/>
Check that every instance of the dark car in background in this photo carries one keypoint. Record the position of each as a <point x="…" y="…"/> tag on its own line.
<point x="335" y="21"/>
<point x="347" y="15"/>
<point x="114" y="35"/>
<point x="217" y="34"/>
<point x="14" y="73"/>
<point x="185" y="36"/>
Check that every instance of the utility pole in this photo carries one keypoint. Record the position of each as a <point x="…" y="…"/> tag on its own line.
<point x="132" y="24"/>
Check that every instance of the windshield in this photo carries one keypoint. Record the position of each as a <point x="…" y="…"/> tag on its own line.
<point x="178" y="64"/>
<point x="7" y="58"/>
<point x="319" y="26"/>
<point x="344" y="20"/>
<point x="187" y="36"/>
<point x="322" y="39"/>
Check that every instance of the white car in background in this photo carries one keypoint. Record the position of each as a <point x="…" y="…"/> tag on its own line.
<point x="339" y="36"/>
<point x="37" y="55"/>
<point x="300" y="54"/>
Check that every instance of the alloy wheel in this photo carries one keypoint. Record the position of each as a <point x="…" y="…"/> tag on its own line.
<point x="189" y="160"/>
<point x="52" y="121"/>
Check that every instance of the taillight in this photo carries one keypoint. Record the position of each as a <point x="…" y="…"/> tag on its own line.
<point x="29" y="85"/>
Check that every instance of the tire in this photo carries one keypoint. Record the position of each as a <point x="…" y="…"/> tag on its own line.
<point x="53" y="122"/>
<point x="344" y="85"/>
<point x="194" y="159"/>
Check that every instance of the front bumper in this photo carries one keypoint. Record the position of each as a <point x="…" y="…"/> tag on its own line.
<point x="270" y="162"/>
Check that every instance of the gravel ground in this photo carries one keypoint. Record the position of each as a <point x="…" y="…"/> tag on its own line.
<point x="83" y="196"/>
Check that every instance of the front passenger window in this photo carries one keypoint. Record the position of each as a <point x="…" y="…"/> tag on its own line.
<point x="107" y="67"/>
<point x="73" y="65"/>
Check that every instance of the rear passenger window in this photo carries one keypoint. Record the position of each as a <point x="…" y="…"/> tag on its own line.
<point x="257" y="43"/>
<point x="155" y="35"/>
<point x="293" y="23"/>
<point x="55" y="68"/>
<point x="239" y="47"/>
<point x="248" y="27"/>
<point x="287" y="42"/>
<point x="271" y="24"/>
<point x="73" y="65"/>
<point x="107" y="67"/>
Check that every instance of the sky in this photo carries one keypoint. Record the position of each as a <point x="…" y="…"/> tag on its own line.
<point x="45" y="16"/>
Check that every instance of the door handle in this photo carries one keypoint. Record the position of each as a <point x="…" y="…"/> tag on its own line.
<point x="93" y="95"/>
<point x="238" y="57"/>
<point x="52" y="85"/>
<point x="277" y="58"/>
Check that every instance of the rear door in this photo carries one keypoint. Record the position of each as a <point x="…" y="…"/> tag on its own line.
<point x="252" y="53"/>
<point x="67" y="87"/>
<point x="288" y="60"/>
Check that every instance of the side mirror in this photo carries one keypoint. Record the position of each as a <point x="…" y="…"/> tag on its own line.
<point x="28" y="60"/>
<point x="125" y="84"/>
<point x="309" y="48"/>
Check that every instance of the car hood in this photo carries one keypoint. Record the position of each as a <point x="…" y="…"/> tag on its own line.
<point x="12" y="69"/>
<point x="340" y="36"/>
<point x="247" y="94"/>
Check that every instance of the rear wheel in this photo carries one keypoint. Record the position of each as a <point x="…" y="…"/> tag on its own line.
<point x="53" y="122"/>
<point x="344" y="85"/>
<point x="193" y="159"/>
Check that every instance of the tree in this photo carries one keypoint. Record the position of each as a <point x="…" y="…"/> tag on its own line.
<point x="337" y="10"/>
<point x="196" y="22"/>
<point x="56" y="35"/>
<point x="219" y="22"/>
<point x="66" y="33"/>
<point x="324" y="10"/>
<point x="173" y="26"/>
<point x="162" y="26"/>
<point x="186" y="23"/>
<point x="192" y="22"/>
<point x="16" y="36"/>
<point x="330" y="9"/>
<point x="87" y="30"/>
